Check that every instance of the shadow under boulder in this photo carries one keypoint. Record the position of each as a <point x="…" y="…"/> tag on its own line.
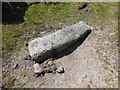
<point x="59" y="43"/>
<point x="73" y="46"/>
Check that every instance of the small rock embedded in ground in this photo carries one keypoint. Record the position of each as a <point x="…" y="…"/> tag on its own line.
<point x="48" y="63"/>
<point x="15" y="66"/>
<point x="60" y="70"/>
<point x="53" y="68"/>
<point x="38" y="70"/>
<point x="49" y="66"/>
<point x="26" y="43"/>
<point x="86" y="10"/>
<point x="27" y="57"/>
<point x="47" y="70"/>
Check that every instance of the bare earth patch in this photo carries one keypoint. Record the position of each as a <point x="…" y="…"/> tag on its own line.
<point x="92" y="65"/>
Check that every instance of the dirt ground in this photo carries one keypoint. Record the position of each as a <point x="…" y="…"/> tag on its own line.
<point x="93" y="64"/>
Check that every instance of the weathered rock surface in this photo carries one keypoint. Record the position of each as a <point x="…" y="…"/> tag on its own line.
<point x="42" y="48"/>
<point x="37" y="68"/>
<point x="49" y="66"/>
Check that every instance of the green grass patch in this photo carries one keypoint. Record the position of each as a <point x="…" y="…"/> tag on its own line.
<point x="8" y="81"/>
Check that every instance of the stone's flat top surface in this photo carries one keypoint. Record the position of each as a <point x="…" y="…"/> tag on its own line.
<point x="40" y="45"/>
<point x="37" y="68"/>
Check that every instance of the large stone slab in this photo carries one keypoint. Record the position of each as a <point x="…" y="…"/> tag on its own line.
<point x="44" y="47"/>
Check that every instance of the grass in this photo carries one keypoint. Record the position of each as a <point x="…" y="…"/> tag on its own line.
<point x="8" y="82"/>
<point x="23" y="72"/>
<point x="41" y="15"/>
<point x="119" y="40"/>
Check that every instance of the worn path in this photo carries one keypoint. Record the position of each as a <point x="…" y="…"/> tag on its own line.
<point x="92" y="64"/>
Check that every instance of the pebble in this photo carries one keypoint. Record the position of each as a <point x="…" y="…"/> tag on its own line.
<point x="47" y="70"/>
<point x="53" y="68"/>
<point x="15" y="66"/>
<point x="60" y="70"/>
<point x="37" y="68"/>
<point x="26" y="43"/>
<point x="27" y="57"/>
<point x="50" y="69"/>
<point x="48" y="63"/>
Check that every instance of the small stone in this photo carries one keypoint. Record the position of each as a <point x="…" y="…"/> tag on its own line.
<point x="27" y="57"/>
<point x="45" y="66"/>
<point x="48" y="63"/>
<point x="47" y="70"/>
<point x="60" y="70"/>
<point x="15" y="66"/>
<point x="54" y="72"/>
<point x="53" y="68"/>
<point x="86" y="10"/>
<point x="26" y="43"/>
<point x="37" y="68"/>
<point x="50" y="69"/>
<point x="36" y="75"/>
